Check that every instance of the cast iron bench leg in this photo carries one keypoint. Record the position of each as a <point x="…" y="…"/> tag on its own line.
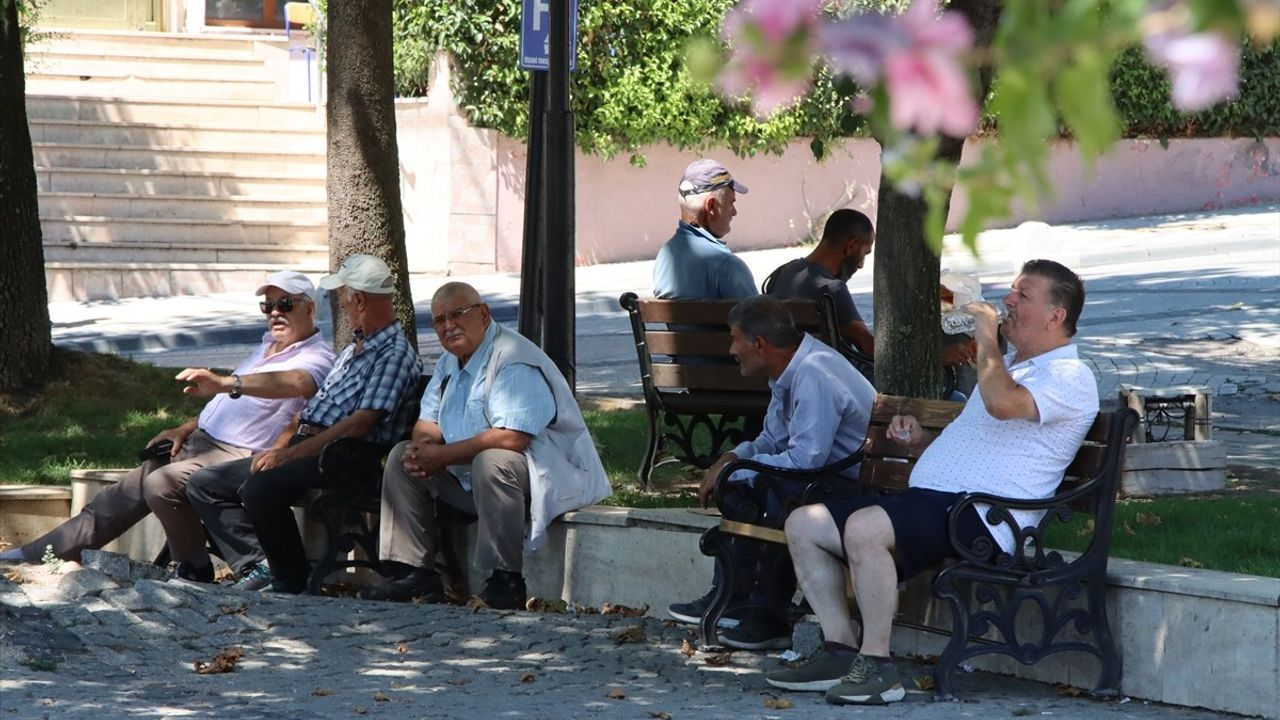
<point x="328" y="516"/>
<point x="716" y="543"/>
<point x="651" y="452"/>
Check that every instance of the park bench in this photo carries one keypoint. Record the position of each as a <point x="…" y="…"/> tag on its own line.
<point x="695" y="396"/>
<point x="992" y="601"/>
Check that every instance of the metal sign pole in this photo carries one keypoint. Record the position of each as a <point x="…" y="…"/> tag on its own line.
<point x="559" y="290"/>
<point x="531" y="267"/>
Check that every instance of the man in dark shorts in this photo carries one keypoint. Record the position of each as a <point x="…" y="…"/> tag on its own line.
<point x="1015" y="437"/>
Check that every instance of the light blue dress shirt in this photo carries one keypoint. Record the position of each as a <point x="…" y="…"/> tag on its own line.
<point x="818" y="413"/>
<point x="458" y="401"/>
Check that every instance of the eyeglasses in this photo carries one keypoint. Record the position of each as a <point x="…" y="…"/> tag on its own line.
<point x="285" y="305"/>
<point x="454" y="315"/>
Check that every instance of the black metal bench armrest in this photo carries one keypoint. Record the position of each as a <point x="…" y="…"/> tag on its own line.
<point x="1029" y="552"/>
<point x="347" y="457"/>
<point x="820" y="473"/>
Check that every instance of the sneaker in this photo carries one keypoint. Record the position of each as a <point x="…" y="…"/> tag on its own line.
<point x="690" y="613"/>
<point x="870" y="681"/>
<point x="193" y="573"/>
<point x="418" y="583"/>
<point x="760" y="630"/>
<point x="504" y="590"/>
<point x="256" y="579"/>
<point x="819" y="672"/>
<point x="286" y="586"/>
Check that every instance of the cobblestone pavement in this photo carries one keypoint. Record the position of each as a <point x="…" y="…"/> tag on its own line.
<point x="113" y="639"/>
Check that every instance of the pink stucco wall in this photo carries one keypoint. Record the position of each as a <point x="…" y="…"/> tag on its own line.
<point x="626" y="213"/>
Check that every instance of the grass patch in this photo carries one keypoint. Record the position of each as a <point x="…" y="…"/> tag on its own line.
<point x="622" y="436"/>
<point x="1234" y="533"/>
<point x="97" y="411"/>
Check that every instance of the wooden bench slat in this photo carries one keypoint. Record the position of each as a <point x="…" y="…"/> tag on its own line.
<point x="930" y="413"/>
<point x="705" y="377"/>
<point x="750" y="404"/>
<point x="669" y="342"/>
<point x="713" y="312"/>
<point x="756" y="532"/>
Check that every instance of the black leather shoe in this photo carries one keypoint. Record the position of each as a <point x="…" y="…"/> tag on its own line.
<point x="188" y="571"/>
<point x="419" y="583"/>
<point x="504" y="590"/>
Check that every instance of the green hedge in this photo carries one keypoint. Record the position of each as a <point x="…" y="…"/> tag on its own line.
<point x="632" y="87"/>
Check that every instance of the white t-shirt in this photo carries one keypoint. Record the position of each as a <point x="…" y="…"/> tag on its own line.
<point x="1016" y="458"/>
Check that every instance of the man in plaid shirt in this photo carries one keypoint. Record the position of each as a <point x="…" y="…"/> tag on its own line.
<point x="247" y="504"/>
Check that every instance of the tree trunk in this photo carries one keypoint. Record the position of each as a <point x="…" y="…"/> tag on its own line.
<point x="25" y="339"/>
<point x="907" y="317"/>
<point x="363" y="186"/>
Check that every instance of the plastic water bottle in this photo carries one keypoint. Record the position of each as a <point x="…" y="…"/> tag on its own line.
<point x="965" y="289"/>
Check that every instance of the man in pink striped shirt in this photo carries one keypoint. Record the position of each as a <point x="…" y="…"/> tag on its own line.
<point x="251" y="410"/>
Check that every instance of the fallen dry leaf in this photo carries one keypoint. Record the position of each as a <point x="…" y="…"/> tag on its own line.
<point x="321" y="692"/>
<point x="1190" y="562"/>
<point x="402" y="649"/>
<point x="381" y="697"/>
<point x="1148" y="519"/>
<point x="527" y="678"/>
<point x="923" y="682"/>
<point x="14" y="577"/>
<point x="776" y="703"/>
<point x="223" y="662"/>
<point x="922" y="659"/>
<point x="686" y="648"/>
<point x="1128" y="530"/>
<point x="458" y="681"/>
<point x="233" y="609"/>
<point x="475" y="602"/>
<point x="1068" y="690"/>
<point x="720" y="659"/>
<point x="660" y="714"/>
<point x="537" y="604"/>
<point x="585" y="609"/>
<point x="359" y="710"/>
<point x="633" y="634"/>
<point x="1087" y="529"/>
<point x="615" y="694"/>
<point x="670" y="623"/>
<point x="623" y="610"/>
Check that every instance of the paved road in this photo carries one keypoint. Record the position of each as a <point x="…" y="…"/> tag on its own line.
<point x="80" y="643"/>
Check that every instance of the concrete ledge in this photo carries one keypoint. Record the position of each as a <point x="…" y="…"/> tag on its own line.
<point x="29" y="511"/>
<point x="1188" y="637"/>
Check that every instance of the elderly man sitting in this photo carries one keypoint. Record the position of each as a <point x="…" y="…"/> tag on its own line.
<point x="249" y="409"/>
<point x="500" y="436"/>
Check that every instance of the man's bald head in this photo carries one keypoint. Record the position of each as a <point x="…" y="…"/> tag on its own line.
<point x="459" y="291"/>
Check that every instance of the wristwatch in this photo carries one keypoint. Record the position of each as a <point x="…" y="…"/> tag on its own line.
<point x="235" y="388"/>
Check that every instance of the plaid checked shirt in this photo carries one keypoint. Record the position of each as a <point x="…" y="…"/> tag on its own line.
<point x="381" y="376"/>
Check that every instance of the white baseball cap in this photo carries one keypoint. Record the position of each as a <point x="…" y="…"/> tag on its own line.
<point x="362" y="272"/>
<point x="290" y="281"/>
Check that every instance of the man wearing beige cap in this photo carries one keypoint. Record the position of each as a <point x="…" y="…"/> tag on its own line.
<point x="247" y="504"/>
<point x="695" y="263"/>
<point x="249" y="410"/>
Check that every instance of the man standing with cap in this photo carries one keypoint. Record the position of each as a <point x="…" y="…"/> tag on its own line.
<point x="247" y="504"/>
<point x="695" y="263"/>
<point x="249" y="410"/>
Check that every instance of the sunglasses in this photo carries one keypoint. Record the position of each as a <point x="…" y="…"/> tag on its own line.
<point x="284" y="304"/>
<point x="454" y="315"/>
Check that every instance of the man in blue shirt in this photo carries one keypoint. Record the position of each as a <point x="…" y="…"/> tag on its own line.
<point x="499" y="436"/>
<point x="818" y="414"/>
<point x="695" y="263"/>
<point x="247" y="504"/>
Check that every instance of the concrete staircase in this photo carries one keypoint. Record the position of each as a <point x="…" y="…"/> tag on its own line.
<point x="173" y="164"/>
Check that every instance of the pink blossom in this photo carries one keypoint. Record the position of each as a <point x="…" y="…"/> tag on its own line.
<point x="1202" y="67"/>
<point x="858" y="46"/>
<point x="929" y="93"/>
<point x="771" y="50"/>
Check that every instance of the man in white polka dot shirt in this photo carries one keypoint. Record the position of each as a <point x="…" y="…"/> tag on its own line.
<point x="1024" y="423"/>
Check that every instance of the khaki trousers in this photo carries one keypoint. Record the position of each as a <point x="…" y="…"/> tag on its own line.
<point x="499" y="497"/>
<point x="156" y="486"/>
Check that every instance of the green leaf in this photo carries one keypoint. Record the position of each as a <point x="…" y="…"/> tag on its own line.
<point x="1082" y="96"/>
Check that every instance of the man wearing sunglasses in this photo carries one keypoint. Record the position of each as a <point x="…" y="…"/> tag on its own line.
<point x="250" y="409"/>
<point x="499" y="436"/>
<point x="695" y="263"/>
<point x="247" y="504"/>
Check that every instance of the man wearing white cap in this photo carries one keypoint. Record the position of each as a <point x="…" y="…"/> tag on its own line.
<point x="695" y="263"/>
<point x="247" y="504"/>
<point x="250" y="408"/>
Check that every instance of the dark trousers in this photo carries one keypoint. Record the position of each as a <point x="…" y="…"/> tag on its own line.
<point x="762" y="571"/>
<point x="250" y="515"/>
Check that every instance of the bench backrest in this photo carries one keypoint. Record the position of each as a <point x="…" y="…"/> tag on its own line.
<point x="887" y="465"/>
<point x="694" y="334"/>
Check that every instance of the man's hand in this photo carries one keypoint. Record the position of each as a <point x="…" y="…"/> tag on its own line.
<point x="708" y="485"/>
<point x="204" y="382"/>
<point x="423" y="458"/>
<point x="959" y="354"/>
<point x="986" y="315"/>
<point x="905" y="430"/>
<point x="178" y="435"/>
<point x="274" y="458"/>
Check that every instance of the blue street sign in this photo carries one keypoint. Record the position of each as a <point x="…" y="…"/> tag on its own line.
<point x="535" y="34"/>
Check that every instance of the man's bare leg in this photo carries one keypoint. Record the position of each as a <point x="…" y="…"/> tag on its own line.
<point x="869" y="542"/>
<point x="814" y="543"/>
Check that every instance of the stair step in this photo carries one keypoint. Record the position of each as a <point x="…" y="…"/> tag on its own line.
<point x="109" y="280"/>
<point x="44" y="57"/>
<point x="175" y="158"/>
<point x="171" y="111"/>
<point x="308" y="186"/>
<point x="150" y="87"/>
<point x="91" y="229"/>
<point x="132" y="206"/>
<point x="88" y="254"/>
<point x="128" y="43"/>
<point x="87" y="132"/>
